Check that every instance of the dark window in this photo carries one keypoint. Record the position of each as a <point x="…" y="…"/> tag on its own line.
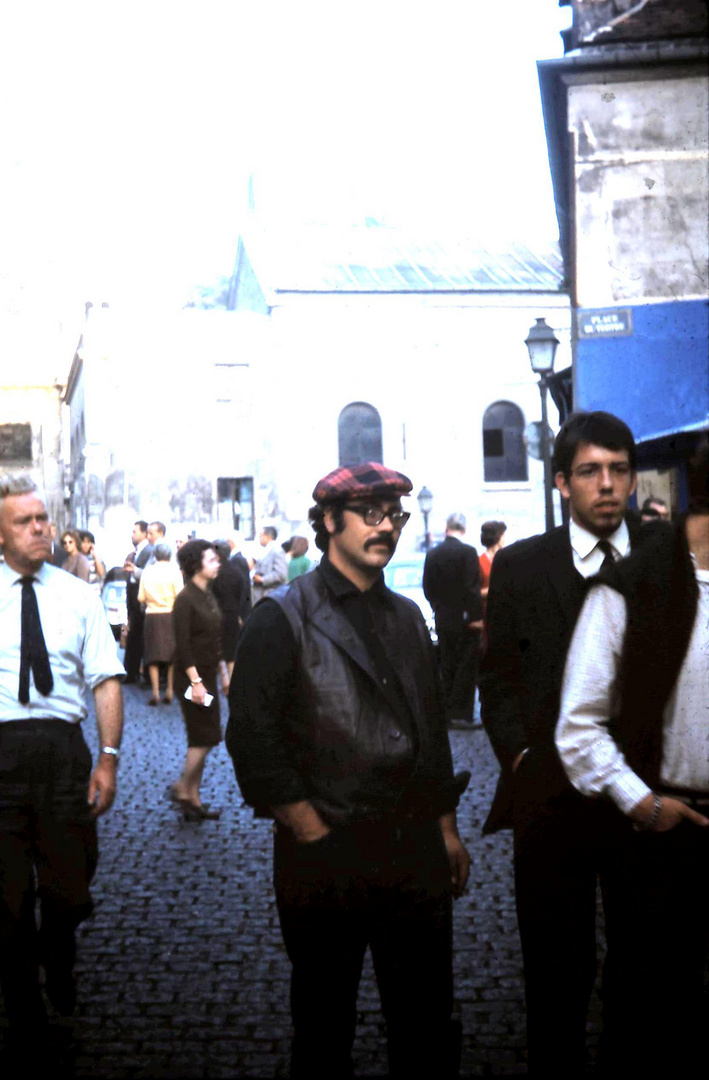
<point x="15" y="442"/>
<point x="359" y="434"/>
<point x="235" y="503"/>
<point x="504" y="452"/>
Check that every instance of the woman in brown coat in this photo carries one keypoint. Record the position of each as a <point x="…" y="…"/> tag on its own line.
<point x="197" y="623"/>
<point x="75" y="563"/>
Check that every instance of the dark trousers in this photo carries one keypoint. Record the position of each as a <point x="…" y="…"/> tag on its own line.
<point x="388" y="888"/>
<point x="460" y="654"/>
<point x="656" y="1001"/>
<point x="48" y="851"/>
<point x="136" y="626"/>
<point x="655" y="891"/>
<point x="562" y="845"/>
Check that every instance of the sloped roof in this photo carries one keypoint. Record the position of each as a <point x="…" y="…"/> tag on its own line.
<point x="375" y="259"/>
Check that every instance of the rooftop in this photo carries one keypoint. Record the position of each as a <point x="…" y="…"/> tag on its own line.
<point x="376" y="259"/>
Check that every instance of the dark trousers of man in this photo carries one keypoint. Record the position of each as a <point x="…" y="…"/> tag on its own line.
<point x="134" y="642"/>
<point x="383" y="886"/>
<point x="48" y="851"/>
<point x="460" y="655"/>
<point x="563" y="845"/>
<point x="656" y="1001"/>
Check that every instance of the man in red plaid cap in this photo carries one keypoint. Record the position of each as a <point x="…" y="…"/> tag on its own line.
<point x="337" y="730"/>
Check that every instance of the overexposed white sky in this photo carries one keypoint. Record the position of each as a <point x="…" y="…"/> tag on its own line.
<point x="128" y="132"/>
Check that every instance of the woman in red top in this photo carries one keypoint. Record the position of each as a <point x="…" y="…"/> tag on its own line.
<point x="492" y="538"/>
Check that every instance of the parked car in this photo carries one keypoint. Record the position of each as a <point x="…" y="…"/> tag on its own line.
<point x="404" y="574"/>
<point x="113" y="597"/>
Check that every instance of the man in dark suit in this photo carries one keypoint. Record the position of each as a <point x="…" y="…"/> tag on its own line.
<point x="134" y="565"/>
<point x="537" y="588"/>
<point x="451" y="583"/>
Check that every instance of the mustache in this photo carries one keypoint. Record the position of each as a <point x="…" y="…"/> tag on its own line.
<point x="384" y="540"/>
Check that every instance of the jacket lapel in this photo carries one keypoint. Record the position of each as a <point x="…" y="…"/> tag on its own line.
<point x="333" y="624"/>
<point x="564" y="578"/>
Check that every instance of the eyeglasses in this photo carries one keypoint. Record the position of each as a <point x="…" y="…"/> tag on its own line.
<point x="619" y="470"/>
<point x="374" y="515"/>
<point x="66" y="543"/>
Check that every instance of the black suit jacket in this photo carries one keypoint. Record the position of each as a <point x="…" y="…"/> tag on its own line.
<point x="451" y="584"/>
<point x="534" y="601"/>
<point x="132" y="587"/>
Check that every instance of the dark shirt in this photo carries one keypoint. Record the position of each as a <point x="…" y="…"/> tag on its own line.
<point x="265" y="678"/>
<point x="197" y="623"/>
<point x="228" y="588"/>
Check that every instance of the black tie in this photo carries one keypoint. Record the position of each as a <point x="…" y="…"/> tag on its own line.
<point x="607" y="549"/>
<point x="33" y="650"/>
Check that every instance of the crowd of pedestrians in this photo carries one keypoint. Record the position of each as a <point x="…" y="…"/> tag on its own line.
<point x="593" y="684"/>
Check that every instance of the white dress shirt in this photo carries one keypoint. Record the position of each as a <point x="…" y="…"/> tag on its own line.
<point x="588" y="557"/>
<point x="80" y="644"/>
<point x="590" y="755"/>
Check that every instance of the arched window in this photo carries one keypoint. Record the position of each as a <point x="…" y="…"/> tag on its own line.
<point x="504" y="452"/>
<point x="359" y="434"/>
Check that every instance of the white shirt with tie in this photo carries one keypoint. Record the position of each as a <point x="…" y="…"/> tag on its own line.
<point x="80" y="644"/>
<point x="588" y="557"/>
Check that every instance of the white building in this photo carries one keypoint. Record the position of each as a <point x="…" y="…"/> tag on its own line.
<point x="328" y="346"/>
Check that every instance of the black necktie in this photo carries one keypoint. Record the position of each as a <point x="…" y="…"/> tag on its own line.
<point x="607" y="549"/>
<point x="33" y="650"/>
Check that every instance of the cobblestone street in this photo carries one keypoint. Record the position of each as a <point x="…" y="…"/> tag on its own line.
<point x="181" y="969"/>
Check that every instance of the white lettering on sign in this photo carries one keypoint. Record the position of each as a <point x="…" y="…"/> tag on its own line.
<point x="617" y="322"/>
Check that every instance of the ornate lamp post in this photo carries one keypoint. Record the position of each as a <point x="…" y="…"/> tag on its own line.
<point x="425" y="501"/>
<point x="542" y="344"/>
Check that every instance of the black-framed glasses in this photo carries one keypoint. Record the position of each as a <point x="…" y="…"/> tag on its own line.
<point x="591" y="470"/>
<point x="374" y="515"/>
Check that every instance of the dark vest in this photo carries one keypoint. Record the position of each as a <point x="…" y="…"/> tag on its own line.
<point x="347" y="740"/>
<point x="661" y="594"/>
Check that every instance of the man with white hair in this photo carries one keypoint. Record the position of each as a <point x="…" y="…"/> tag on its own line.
<point x="55" y="642"/>
<point x="271" y="570"/>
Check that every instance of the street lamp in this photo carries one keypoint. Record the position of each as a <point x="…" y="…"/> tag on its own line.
<point x="542" y="343"/>
<point x="425" y="501"/>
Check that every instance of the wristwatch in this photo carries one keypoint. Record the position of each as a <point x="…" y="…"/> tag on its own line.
<point x="112" y="751"/>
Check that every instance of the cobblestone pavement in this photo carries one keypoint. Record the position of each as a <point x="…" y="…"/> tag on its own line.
<point x="181" y="969"/>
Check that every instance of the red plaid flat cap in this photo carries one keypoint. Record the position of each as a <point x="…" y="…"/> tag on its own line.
<point x="370" y="480"/>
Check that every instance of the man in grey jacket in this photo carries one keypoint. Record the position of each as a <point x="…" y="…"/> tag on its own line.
<point x="271" y="570"/>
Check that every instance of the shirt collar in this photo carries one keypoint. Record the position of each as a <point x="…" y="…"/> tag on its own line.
<point x="583" y="542"/>
<point x="140" y="546"/>
<point x="341" y="586"/>
<point x="10" y="577"/>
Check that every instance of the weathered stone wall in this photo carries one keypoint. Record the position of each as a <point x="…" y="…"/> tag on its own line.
<point x="641" y="189"/>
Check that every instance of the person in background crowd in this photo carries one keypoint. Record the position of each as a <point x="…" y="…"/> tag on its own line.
<point x="271" y="570"/>
<point x="58" y="554"/>
<point x="75" y="563"/>
<point x="97" y="570"/>
<point x="238" y="560"/>
<point x="160" y="583"/>
<point x="134" y="565"/>
<point x="197" y="622"/>
<point x="492" y="538"/>
<point x="228" y="588"/>
<point x="156" y="535"/>
<point x="299" y="562"/>
<point x="55" y="644"/>
<point x="537" y="588"/>
<point x="451" y="584"/>
<point x="337" y="729"/>
<point x="654" y="509"/>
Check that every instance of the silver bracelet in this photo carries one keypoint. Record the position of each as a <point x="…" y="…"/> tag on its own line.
<point x="651" y="822"/>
